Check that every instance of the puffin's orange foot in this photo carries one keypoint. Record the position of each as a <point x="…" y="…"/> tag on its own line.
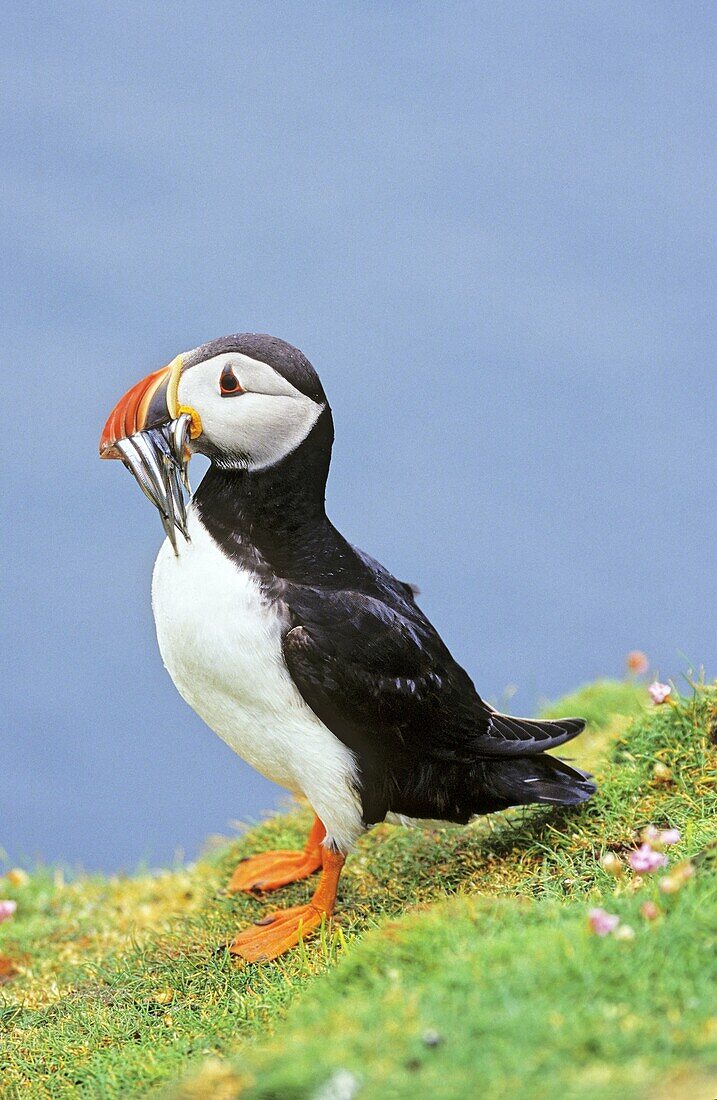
<point x="275" y="934"/>
<point x="270" y="870"/>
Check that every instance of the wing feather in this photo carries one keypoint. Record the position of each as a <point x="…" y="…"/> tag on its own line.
<point x="376" y="674"/>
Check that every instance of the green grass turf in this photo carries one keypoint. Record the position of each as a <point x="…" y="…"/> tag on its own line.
<point x="460" y="963"/>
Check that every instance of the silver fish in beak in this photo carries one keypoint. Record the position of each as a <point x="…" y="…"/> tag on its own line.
<point x="153" y="443"/>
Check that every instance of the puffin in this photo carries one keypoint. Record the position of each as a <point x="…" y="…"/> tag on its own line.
<point x="305" y="655"/>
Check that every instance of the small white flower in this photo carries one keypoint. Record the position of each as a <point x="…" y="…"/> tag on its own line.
<point x="341" y="1085"/>
<point x="659" y="693"/>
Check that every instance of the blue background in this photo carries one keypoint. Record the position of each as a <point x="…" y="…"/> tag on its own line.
<point x="490" y="226"/>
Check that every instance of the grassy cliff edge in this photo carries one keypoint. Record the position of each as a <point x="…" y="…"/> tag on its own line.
<point x="460" y="956"/>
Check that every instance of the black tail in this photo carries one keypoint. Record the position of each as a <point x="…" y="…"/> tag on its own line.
<point x="510" y="736"/>
<point x="524" y="779"/>
<point x="510" y="768"/>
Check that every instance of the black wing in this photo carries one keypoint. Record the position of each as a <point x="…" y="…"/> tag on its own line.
<point x="382" y="680"/>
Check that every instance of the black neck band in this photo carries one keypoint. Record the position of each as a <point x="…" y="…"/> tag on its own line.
<point x="278" y="511"/>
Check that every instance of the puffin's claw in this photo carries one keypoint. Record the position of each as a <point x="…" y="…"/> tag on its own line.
<point x="274" y="934"/>
<point x="270" y="870"/>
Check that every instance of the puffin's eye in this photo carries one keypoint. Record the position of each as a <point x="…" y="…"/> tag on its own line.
<point x="229" y="383"/>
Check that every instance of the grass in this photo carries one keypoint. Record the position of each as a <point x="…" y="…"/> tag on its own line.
<point x="461" y="963"/>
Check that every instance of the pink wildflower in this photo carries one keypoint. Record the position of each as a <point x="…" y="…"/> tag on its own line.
<point x="637" y="662"/>
<point x="602" y="923"/>
<point x="659" y="693"/>
<point x="659" y="838"/>
<point x="644" y="860"/>
<point x="7" y="908"/>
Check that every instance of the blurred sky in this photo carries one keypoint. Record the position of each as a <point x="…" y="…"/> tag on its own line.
<point x="491" y="227"/>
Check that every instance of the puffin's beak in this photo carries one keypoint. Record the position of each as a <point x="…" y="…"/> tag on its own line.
<point x="149" y="431"/>
<point x="151" y="403"/>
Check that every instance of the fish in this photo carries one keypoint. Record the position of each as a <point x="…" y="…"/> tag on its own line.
<point x="158" y="459"/>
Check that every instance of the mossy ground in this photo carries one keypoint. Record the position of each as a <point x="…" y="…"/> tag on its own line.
<point x="461" y="962"/>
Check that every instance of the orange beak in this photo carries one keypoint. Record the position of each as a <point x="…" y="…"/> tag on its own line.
<point x="149" y="403"/>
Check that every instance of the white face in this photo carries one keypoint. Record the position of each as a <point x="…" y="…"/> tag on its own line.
<point x="251" y="416"/>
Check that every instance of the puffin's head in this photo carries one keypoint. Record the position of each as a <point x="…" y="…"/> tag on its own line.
<point x="247" y="402"/>
<point x="250" y="400"/>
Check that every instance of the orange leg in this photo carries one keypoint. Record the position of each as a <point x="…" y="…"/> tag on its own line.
<point x="270" y="870"/>
<point x="275" y="934"/>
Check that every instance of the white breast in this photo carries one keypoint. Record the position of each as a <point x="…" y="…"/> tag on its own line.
<point x="220" y="640"/>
